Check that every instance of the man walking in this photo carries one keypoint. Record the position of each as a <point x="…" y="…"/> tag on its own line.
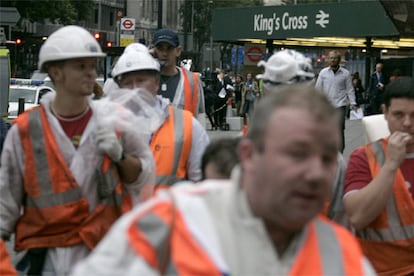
<point x="336" y="82"/>
<point x="69" y="165"/>
<point x="183" y="88"/>
<point x="177" y="140"/>
<point x="376" y="87"/>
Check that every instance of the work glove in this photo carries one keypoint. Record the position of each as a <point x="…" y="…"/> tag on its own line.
<point x="108" y="143"/>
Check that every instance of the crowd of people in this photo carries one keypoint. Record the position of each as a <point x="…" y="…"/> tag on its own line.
<point x="128" y="182"/>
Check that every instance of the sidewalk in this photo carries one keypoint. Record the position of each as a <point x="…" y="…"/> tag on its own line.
<point x="354" y="136"/>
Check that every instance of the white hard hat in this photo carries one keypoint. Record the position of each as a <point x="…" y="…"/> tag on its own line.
<point x="285" y="67"/>
<point x="138" y="47"/>
<point x="135" y="61"/>
<point x="67" y="43"/>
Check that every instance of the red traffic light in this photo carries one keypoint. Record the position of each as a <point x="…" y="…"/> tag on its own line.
<point x="109" y="44"/>
<point x="97" y="35"/>
<point x="18" y="41"/>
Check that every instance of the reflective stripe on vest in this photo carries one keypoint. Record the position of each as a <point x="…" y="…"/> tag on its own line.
<point x="46" y="197"/>
<point x="162" y="238"/>
<point x="396" y="222"/>
<point x="190" y="90"/>
<point x="55" y="212"/>
<point x="171" y="155"/>
<point x="328" y="250"/>
<point x="6" y="265"/>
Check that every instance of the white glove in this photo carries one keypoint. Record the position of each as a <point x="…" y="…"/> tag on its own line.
<point x="108" y="143"/>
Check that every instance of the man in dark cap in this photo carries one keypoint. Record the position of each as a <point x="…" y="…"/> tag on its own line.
<point x="182" y="87"/>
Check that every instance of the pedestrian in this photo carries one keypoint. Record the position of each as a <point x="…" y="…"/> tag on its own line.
<point x="219" y="158"/>
<point x="210" y="98"/>
<point x="263" y="221"/>
<point x="223" y="90"/>
<point x="360" y="95"/>
<point x="177" y="140"/>
<point x="379" y="186"/>
<point x="335" y="81"/>
<point x="289" y="67"/>
<point x="65" y="174"/>
<point x="238" y="88"/>
<point x="376" y="87"/>
<point x="182" y="87"/>
<point x="250" y="89"/>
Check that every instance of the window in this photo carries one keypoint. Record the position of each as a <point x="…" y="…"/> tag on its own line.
<point x="96" y="16"/>
<point x="111" y="18"/>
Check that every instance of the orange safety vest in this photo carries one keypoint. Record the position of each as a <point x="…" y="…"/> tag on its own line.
<point x="161" y="237"/>
<point x="6" y="266"/>
<point x="191" y="88"/>
<point x="171" y="147"/>
<point x="388" y="241"/>
<point x="56" y="214"/>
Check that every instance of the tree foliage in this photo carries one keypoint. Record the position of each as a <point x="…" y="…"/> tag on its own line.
<point x="62" y="11"/>
<point x="199" y="13"/>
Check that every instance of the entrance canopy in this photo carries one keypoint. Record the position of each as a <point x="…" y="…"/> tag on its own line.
<point x="327" y="25"/>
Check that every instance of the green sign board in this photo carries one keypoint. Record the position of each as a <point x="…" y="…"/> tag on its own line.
<point x="350" y="19"/>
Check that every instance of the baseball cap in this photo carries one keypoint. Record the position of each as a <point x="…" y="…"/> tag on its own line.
<point x="165" y="35"/>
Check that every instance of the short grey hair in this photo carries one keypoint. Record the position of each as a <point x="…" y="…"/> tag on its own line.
<point x="295" y="95"/>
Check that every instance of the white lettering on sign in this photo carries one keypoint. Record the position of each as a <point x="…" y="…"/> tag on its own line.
<point x="286" y="21"/>
<point x="294" y="22"/>
<point x="264" y="24"/>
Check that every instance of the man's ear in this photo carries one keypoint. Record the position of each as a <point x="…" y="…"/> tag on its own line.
<point x="55" y="73"/>
<point x="178" y="51"/>
<point x="246" y="152"/>
<point x="384" y="108"/>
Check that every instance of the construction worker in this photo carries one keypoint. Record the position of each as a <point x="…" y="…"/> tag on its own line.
<point x="177" y="140"/>
<point x="110" y="84"/>
<point x="263" y="221"/>
<point x="183" y="88"/>
<point x="289" y="67"/>
<point x="71" y="165"/>
<point x="379" y="186"/>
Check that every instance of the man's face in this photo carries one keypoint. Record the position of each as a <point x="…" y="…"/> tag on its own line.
<point x="76" y="76"/>
<point x="167" y="54"/>
<point x="291" y="179"/>
<point x="378" y="67"/>
<point x="400" y="117"/>
<point x="333" y="59"/>
<point x="140" y="79"/>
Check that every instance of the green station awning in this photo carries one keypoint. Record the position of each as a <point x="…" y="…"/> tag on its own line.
<point x="350" y="19"/>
